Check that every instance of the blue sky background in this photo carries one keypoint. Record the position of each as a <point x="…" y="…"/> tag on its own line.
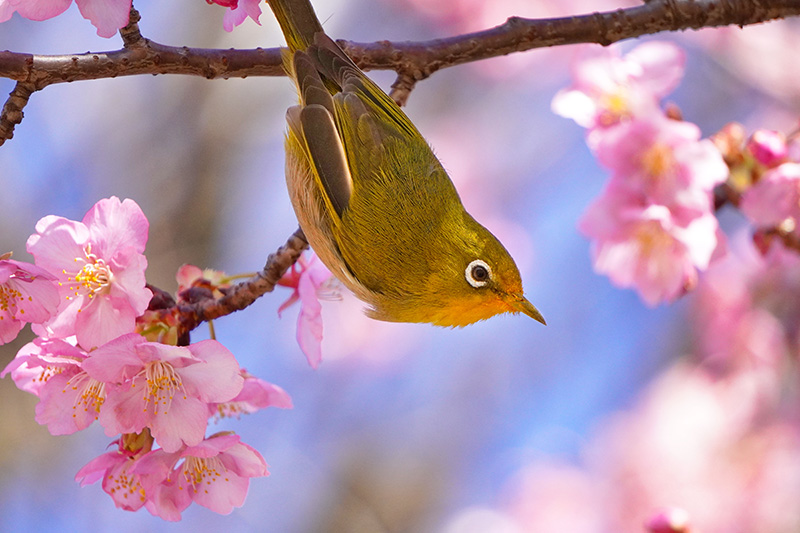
<point x="403" y="424"/>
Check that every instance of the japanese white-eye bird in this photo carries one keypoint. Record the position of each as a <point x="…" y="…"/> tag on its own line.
<point x="373" y="200"/>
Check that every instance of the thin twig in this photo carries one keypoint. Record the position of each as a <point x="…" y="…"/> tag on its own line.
<point x="242" y="295"/>
<point x="131" y="36"/>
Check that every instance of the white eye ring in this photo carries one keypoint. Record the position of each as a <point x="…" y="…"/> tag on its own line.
<point x="478" y="273"/>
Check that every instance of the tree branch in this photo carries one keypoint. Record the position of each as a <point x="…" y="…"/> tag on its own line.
<point x="12" y="114"/>
<point x="415" y="60"/>
<point x="242" y="295"/>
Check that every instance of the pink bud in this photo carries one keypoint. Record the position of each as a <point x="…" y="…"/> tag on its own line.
<point x="768" y="147"/>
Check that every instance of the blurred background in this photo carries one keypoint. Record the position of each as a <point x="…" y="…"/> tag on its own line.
<point x="403" y="427"/>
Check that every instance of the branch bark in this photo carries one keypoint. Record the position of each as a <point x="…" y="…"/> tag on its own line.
<point x="416" y="60"/>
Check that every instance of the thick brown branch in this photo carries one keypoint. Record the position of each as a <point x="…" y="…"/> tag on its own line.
<point x="413" y="60"/>
<point x="519" y="34"/>
<point x="12" y="110"/>
<point x="242" y="295"/>
<point x="148" y="58"/>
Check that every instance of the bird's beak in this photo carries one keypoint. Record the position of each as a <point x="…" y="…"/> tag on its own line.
<point x="520" y="304"/>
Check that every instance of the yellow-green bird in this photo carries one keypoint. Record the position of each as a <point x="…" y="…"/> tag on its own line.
<point x="373" y="200"/>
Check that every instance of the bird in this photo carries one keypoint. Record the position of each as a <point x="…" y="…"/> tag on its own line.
<point x="373" y="200"/>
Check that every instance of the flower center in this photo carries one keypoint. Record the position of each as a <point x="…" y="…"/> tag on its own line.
<point x="199" y="470"/>
<point x="122" y="485"/>
<point x="651" y="237"/>
<point x="9" y="296"/>
<point x="163" y="381"/>
<point x="93" y="277"/>
<point x="658" y="161"/>
<point x="614" y="106"/>
<point x="92" y="393"/>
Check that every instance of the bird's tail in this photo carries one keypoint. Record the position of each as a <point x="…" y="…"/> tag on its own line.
<point x="298" y="22"/>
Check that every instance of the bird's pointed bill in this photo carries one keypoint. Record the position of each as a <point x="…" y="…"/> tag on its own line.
<point x="521" y="304"/>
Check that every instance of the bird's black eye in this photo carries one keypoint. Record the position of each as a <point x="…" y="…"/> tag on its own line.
<point x="478" y="273"/>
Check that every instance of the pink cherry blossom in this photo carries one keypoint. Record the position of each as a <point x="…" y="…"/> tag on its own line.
<point x="645" y="247"/>
<point x="107" y="16"/>
<point x="39" y="361"/>
<point x="664" y="161"/>
<point x="256" y="394"/>
<point x="115" y="468"/>
<point x="27" y="294"/>
<point x="310" y="279"/>
<point x="238" y="12"/>
<point x="69" y="400"/>
<point x="608" y="87"/>
<point x="775" y="197"/>
<point x="100" y="270"/>
<point x="165" y="388"/>
<point x="215" y="474"/>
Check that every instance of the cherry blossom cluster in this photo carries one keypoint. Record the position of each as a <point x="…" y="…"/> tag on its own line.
<point x="765" y="178"/>
<point x="653" y="227"/>
<point x="102" y="355"/>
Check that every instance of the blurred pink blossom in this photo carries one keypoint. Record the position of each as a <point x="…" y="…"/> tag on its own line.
<point x="27" y="294"/>
<point x="775" y="197"/>
<point x="100" y="270"/>
<point x="107" y="16"/>
<point x="669" y="520"/>
<point x="693" y="443"/>
<point x="311" y="280"/>
<point x="747" y="315"/>
<point x="164" y="388"/>
<point x="645" y="247"/>
<point x="664" y="161"/>
<point x="215" y="474"/>
<point x="608" y="88"/>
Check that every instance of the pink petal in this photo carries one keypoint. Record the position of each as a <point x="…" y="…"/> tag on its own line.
<point x="129" y="280"/>
<point x="661" y="66"/>
<point x="244" y="460"/>
<point x="95" y="469"/>
<point x="218" y="378"/>
<point x="6" y="10"/>
<point x="263" y="394"/>
<point x="101" y="321"/>
<point x="211" y="447"/>
<point x="116" y="225"/>
<point x="106" y="15"/>
<point x="42" y="9"/>
<point x="124" y="409"/>
<point x="63" y="408"/>
<point x="309" y="322"/>
<point x="223" y="494"/>
<point x="167" y="501"/>
<point x="56" y="243"/>
<point x="185" y="421"/>
<point x="246" y="8"/>
<point x="9" y="329"/>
